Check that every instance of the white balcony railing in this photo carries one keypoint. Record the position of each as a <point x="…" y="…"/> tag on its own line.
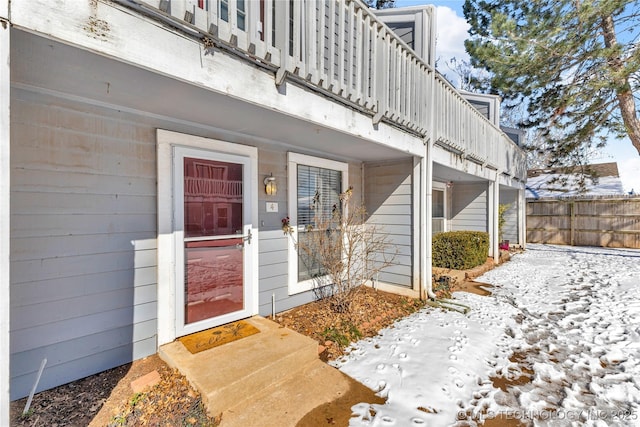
<point x="460" y="126"/>
<point x="340" y="48"/>
<point x="197" y="187"/>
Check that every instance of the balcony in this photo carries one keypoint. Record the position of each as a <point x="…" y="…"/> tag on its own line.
<point x="226" y="189"/>
<point x="341" y="50"/>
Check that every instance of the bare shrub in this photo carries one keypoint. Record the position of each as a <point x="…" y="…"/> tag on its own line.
<point x="340" y="250"/>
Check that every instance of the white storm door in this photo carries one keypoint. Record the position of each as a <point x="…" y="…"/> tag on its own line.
<point x="212" y="220"/>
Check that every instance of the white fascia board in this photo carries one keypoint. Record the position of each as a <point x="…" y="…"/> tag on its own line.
<point x="144" y="43"/>
<point x="511" y="182"/>
<point x="447" y="158"/>
<point x="452" y="160"/>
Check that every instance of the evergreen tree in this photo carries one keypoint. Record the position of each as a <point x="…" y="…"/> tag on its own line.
<point x="380" y="4"/>
<point x="573" y="63"/>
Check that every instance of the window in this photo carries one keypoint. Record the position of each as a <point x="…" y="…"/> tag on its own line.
<point x="241" y="13"/>
<point x="315" y="185"/>
<point x="405" y="30"/>
<point x="438" y="208"/>
<point x="318" y="197"/>
<point x="482" y="107"/>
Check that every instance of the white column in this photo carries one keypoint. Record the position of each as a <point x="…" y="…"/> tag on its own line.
<point x="426" y="220"/>
<point x="426" y="186"/>
<point x="494" y="201"/>
<point x="4" y="214"/>
<point x="418" y="224"/>
<point x="166" y="271"/>
<point x="281" y="21"/>
<point x="496" y="219"/>
<point x="522" y="218"/>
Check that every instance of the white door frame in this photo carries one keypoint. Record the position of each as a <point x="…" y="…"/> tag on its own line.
<point x="170" y="231"/>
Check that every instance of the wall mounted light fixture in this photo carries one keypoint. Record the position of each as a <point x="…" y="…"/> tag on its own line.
<point x="270" y="186"/>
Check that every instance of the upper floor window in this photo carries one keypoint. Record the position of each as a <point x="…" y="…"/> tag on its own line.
<point x="241" y="13"/>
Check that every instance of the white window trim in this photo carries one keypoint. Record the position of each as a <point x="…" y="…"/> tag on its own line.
<point x="293" y="160"/>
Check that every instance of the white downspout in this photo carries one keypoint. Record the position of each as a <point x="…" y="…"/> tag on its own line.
<point x="522" y="218"/>
<point x="426" y="218"/>
<point x="495" y="239"/>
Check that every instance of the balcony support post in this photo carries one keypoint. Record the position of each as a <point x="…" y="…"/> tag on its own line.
<point x="522" y="218"/>
<point x="282" y="36"/>
<point x="494" y="201"/>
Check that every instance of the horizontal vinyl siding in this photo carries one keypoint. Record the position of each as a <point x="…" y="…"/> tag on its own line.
<point x="84" y="347"/>
<point x="81" y="265"/>
<point x="273" y="250"/>
<point x="106" y="358"/>
<point x="83" y="247"/>
<point x="273" y="272"/>
<point x="70" y="287"/>
<point x="272" y="163"/>
<point x="72" y="225"/>
<point x="469" y="207"/>
<point x="388" y="195"/>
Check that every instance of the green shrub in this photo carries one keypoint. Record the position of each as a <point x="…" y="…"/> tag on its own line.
<point x="460" y="250"/>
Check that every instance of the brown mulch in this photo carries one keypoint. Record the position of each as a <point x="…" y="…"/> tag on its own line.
<point x="107" y="399"/>
<point x="371" y="310"/>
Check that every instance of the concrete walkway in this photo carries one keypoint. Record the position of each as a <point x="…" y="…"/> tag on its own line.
<point x="272" y="378"/>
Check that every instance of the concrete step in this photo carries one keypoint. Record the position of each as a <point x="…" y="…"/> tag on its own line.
<point x="285" y="403"/>
<point x="234" y="373"/>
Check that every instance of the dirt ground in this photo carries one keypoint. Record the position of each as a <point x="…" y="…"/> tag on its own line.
<point x="107" y="398"/>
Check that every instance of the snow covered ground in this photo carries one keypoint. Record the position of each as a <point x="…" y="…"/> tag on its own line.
<point x="569" y="317"/>
<point x="544" y="186"/>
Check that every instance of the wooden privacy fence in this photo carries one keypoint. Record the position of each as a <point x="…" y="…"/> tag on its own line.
<point x="594" y="221"/>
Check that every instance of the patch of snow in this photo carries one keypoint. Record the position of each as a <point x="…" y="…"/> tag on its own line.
<point x="605" y="186"/>
<point x="569" y="315"/>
